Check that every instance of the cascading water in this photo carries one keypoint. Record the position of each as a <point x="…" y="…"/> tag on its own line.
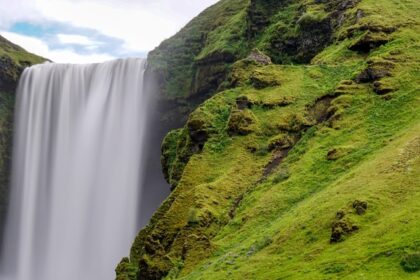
<point x="75" y="170"/>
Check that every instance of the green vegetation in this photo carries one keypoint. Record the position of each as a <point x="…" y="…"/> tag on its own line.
<point x="304" y="171"/>
<point x="411" y="262"/>
<point x="193" y="65"/>
<point x="18" y="55"/>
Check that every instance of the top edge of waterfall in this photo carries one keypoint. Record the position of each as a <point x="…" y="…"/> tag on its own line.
<point x="84" y="64"/>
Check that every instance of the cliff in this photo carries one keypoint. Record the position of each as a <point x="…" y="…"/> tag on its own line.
<point x="299" y="157"/>
<point x="13" y="59"/>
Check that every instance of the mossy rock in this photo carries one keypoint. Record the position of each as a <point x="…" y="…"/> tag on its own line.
<point x="241" y="122"/>
<point x="281" y="141"/>
<point x="198" y="130"/>
<point x="384" y="87"/>
<point x="153" y="268"/>
<point x="370" y="24"/>
<point x="177" y="148"/>
<point x="126" y="270"/>
<point x="294" y="122"/>
<point x="258" y="57"/>
<point x="261" y="79"/>
<point x="369" y="41"/>
<point x="360" y="207"/>
<point x="309" y="20"/>
<point x="340" y="229"/>
<point x="377" y="69"/>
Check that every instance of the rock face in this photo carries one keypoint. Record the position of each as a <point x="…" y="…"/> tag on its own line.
<point x="13" y="59"/>
<point x="258" y="57"/>
<point x="290" y="110"/>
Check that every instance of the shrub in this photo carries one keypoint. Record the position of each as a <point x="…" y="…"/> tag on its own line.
<point x="411" y="262"/>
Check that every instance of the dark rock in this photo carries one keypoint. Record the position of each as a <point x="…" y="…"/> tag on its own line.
<point x="341" y="228"/>
<point x="242" y="102"/>
<point x="320" y="110"/>
<point x="376" y="70"/>
<point x="360" y="207"/>
<point x="9" y="74"/>
<point x="259" y="57"/>
<point x="369" y="41"/>
<point x="340" y="215"/>
<point x="276" y="160"/>
<point x="210" y="72"/>
<point x="332" y="154"/>
<point x="149" y="271"/>
<point x="199" y="137"/>
<point x="198" y="131"/>
<point x="340" y="5"/>
<point x="382" y="88"/>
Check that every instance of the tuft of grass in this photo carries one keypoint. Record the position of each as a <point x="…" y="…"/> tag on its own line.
<point x="411" y="262"/>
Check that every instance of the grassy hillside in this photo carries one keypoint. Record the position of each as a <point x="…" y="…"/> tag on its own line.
<point x="13" y="59"/>
<point x="307" y="168"/>
<point x="193" y="65"/>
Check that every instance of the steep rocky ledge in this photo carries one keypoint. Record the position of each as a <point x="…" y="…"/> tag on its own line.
<point x="299" y="153"/>
<point x="13" y="59"/>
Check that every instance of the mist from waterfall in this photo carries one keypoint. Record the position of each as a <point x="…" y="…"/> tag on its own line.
<point x="76" y="170"/>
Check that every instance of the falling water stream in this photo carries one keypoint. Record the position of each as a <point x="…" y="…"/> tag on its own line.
<point x="75" y="170"/>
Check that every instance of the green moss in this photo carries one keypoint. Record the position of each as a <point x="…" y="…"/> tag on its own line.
<point x="192" y="217"/>
<point x="126" y="270"/>
<point x="310" y="19"/>
<point x="19" y="56"/>
<point x="319" y="141"/>
<point x="241" y="122"/>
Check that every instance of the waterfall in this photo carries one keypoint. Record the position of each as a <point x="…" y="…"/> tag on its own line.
<point x="76" y="170"/>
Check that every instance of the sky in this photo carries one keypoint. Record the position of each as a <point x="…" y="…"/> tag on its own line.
<point x="88" y="31"/>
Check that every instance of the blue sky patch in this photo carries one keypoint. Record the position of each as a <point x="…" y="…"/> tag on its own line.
<point x="56" y="36"/>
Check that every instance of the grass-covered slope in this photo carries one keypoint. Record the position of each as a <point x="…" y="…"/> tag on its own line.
<point x="299" y="171"/>
<point x="13" y="59"/>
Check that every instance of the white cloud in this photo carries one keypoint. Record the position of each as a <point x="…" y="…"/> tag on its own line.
<point x="77" y="40"/>
<point x="12" y="11"/>
<point x="39" y="47"/>
<point x="140" y="24"/>
<point x="140" y="29"/>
